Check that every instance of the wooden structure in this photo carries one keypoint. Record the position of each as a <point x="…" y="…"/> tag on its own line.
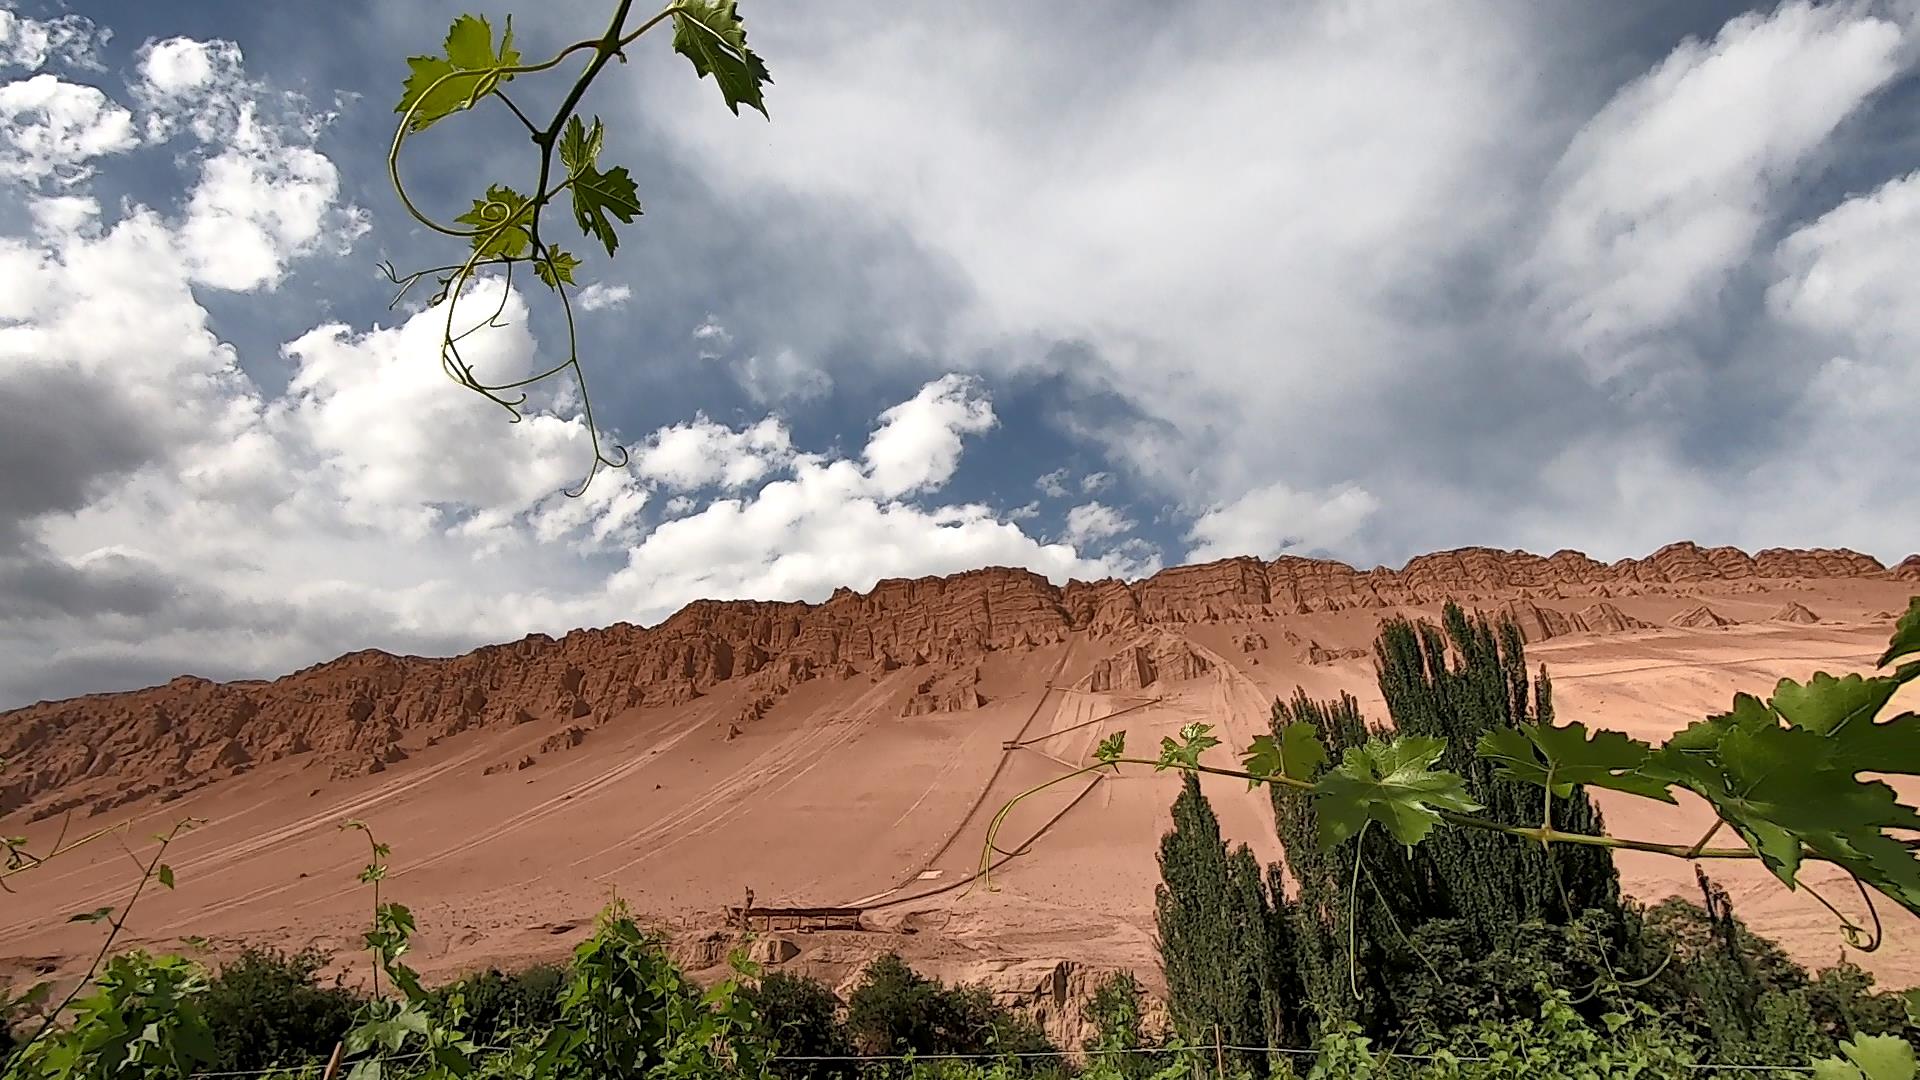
<point x="795" y="918"/>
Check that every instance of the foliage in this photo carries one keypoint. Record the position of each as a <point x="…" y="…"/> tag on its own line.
<point x="499" y="1005"/>
<point x="264" y="1010"/>
<point x="143" y="1019"/>
<point x="896" y="1010"/>
<point x="802" y="1018"/>
<point x="1226" y="972"/>
<point x="503" y="228"/>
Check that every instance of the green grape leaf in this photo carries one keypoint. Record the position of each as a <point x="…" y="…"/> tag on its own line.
<point x="710" y="35"/>
<point x="96" y="915"/>
<point x="1562" y="757"/>
<point x="1195" y="739"/>
<point x="1296" y="754"/>
<point x="439" y="86"/>
<point x="1790" y="790"/>
<point x="1826" y="704"/>
<point x="556" y="268"/>
<point x="1905" y="641"/>
<point x="1393" y="783"/>
<point x="597" y="194"/>
<point x="503" y="222"/>
<point x="1871" y="1057"/>
<point x="164" y="875"/>
<point x="579" y="146"/>
<point x="1112" y="748"/>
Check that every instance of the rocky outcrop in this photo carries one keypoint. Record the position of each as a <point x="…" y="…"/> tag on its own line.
<point x="936" y="694"/>
<point x="352" y="715"/>
<point x="1151" y="659"/>
<point x="1700" y="617"/>
<point x="1604" y="618"/>
<point x="1795" y="613"/>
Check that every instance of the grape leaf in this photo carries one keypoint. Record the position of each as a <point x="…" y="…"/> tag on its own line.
<point x="1905" y="641"/>
<point x="96" y="915"/>
<point x="439" y="86"/>
<point x="1195" y="739"/>
<point x="1789" y="790"/>
<point x="1297" y="754"/>
<point x="709" y="34"/>
<point x="597" y="194"/>
<point x="164" y="875"/>
<point x="1565" y="756"/>
<point x="1870" y="1057"/>
<point x="503" y="219"/>
<point x="1393" y="783"/>
<point x="1825" y="703"/>
<point x="579" y="146"/>
<point x="1111" y="748"/>
<point x="556" y="268"/>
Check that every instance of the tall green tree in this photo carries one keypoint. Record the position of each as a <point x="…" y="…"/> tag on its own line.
<point x="1224" y="949"/>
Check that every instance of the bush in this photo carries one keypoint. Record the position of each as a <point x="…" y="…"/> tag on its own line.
<point x="500" y="1005"/>
<point x="802" y="1018"/>
<point x="266" y="1010"/>
<point x="896" y="1010"/>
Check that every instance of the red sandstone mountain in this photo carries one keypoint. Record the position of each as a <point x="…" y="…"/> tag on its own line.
<point x="854" y="752"/>
<point x="358" y="713"/>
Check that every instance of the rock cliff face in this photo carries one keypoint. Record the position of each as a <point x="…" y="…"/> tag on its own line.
<point x="355" y="712"/>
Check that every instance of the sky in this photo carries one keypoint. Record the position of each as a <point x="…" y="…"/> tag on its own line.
<point x="1086" y="289"/>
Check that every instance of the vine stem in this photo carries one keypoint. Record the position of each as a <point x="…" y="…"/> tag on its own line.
<point x="1544" y="835"/>
<point x="113" y="934"/>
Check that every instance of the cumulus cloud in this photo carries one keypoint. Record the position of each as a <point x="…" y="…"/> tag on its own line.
<point x="70" y="40"/>
<point x="702" y="453"/>
<point x="1092" y="522"/>
<point x="1276" y="518"/>
<point x="1052" y="484"/>
<point x="1662" y="195"/>
<point x="54" y="129"/>
<point x="600" y="296"/>
<point x="917" y="445"/>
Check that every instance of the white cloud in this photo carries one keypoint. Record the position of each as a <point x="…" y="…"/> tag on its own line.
<point x="1269" y="520"/>
<point x="702" y="453"/>
<point x="52" y="129"/>
<point x="1024" y="513"/>
<point x="712" y="332"/>
<point x="1053" y="484"/>
<point x="838" y="522"/>
<point x="32" y="43"/>
<point x="1094" y="521"/>
<point x="257" y="207"/>
<point x="600" y="296"/>
<point x="1663" y="194"/>
<point x="1096" y="481"/>
<point x="917" y="445"/>
<point x="1851" y="272"/>
<point x="784" y="376"/>
<point x="62" y="214"/>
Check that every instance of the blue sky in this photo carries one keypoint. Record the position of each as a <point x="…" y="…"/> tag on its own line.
<point x="1091" y="291"/>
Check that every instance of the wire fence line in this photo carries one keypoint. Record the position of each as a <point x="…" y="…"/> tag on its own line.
<point x="1209" y="1048"/>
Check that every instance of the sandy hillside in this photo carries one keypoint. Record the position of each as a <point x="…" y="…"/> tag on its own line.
<point x="851" y="754"/>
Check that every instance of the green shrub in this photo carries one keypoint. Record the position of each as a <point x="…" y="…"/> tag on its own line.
<point x="265" y="1009"/>
<point x="500" y="1004"/>
<point x="802" y="1018"/>
<point x="896" y="1010"/>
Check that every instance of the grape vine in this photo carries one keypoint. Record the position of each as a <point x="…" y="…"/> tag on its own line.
<point x="503" y="228"/>
<point x="1783" y="773"/>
